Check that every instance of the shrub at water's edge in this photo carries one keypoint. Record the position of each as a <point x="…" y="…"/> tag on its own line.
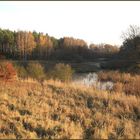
<point x="62" y="72"/>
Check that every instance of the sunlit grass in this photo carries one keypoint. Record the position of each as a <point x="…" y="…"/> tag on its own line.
<point x="62" y="110"/>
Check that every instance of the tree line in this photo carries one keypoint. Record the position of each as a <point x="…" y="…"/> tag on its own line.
<point x="130" y="48"/>
<point x="26" y="45"/>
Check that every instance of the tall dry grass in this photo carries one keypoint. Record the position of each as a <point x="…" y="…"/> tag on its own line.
<point x="123" y="82"/>
<point x="66" y="111"/>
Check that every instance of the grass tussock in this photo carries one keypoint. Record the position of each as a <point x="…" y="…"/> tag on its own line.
<point x="69" y="111"/>
<point x="123" y="82"/>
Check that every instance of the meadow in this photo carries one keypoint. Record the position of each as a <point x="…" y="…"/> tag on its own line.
<point x="60" y="110"/>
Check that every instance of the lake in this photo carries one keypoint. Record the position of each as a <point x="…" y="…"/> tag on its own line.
<point x="91" y="80"/>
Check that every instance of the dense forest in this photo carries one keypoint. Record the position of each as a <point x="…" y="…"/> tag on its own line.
<point x="23" y="45"/>
<point x="26" y="45"/>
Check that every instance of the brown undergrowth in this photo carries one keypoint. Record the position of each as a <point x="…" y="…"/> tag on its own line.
<point x="66" y="111"/>
<point x="123" y="82"/>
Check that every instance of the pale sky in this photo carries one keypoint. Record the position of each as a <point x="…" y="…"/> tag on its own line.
<point x="94" y="21"/>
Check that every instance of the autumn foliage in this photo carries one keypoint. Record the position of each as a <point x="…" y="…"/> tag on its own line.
<point x="26" y="45"/>
<point x="7" y="71"/>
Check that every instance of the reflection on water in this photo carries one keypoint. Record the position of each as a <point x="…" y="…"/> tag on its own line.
<point x="91" y="79"/>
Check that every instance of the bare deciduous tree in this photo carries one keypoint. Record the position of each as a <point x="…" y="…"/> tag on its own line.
<point x="131" y="32"/>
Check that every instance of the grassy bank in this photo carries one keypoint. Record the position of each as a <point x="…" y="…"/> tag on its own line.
<point x="59" y="110"/>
